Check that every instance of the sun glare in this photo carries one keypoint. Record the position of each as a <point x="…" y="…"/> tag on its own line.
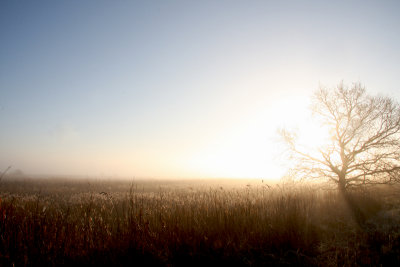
<point x="254" y="150"/>
<point x="312" y="136"/>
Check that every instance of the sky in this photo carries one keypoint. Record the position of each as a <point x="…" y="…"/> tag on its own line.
<point x="178" y="89"/>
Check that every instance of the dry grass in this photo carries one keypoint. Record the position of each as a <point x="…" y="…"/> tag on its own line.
<point x="55" y="222"/>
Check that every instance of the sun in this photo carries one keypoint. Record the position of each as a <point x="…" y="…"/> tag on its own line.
<point x="254" y="149"/>
<point x="313" y="135"/>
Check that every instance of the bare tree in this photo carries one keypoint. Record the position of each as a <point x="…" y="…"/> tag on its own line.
<point x="364" y="143"/>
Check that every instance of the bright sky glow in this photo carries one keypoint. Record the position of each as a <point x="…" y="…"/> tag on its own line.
<point x="179" y="88"/>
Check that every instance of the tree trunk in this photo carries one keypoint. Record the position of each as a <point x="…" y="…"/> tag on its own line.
<point x="342" y="184"/>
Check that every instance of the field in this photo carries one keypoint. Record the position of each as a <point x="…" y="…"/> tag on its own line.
<point x="58" y="222"/>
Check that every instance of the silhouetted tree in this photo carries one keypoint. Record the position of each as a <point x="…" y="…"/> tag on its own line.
<point x="364" y="139"/>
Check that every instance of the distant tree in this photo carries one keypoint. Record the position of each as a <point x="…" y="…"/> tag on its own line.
<point x="363" y="147"/>
<point x="4" y="173"/>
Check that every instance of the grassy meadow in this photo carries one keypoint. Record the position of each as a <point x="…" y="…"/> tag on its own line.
<point x="61" y="222"/>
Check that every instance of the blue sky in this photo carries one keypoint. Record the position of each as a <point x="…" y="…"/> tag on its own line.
<point x="177" y="88"/>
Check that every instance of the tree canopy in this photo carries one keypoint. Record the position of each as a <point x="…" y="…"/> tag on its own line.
<point x="364" y="139"/>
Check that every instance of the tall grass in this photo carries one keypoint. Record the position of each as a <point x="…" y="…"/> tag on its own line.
<point x="149" y="225"/>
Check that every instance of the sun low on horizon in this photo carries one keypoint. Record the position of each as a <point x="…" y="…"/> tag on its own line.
<point x="178" y="89"/>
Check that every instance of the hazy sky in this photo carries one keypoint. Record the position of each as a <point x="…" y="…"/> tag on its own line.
<point x="178" y="88"/>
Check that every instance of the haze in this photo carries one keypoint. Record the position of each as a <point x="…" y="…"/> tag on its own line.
<point x="178" y="88"/>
